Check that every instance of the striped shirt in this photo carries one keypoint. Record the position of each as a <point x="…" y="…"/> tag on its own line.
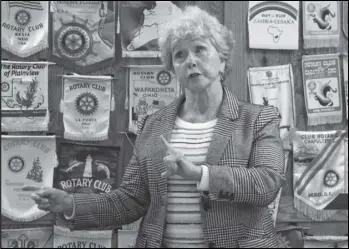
<point x="183" y="219"/>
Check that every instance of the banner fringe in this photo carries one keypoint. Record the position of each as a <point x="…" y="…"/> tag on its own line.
<point x="314" y="214"/>
<point x="330" y="118"/>
<point x="33" y="51"/>
<point x="39" y="214"/>
<point x="83" y="137"/>
<point x="15" y="128"/>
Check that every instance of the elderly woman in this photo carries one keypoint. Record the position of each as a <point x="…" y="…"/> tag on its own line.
<point x="205" y="167"/>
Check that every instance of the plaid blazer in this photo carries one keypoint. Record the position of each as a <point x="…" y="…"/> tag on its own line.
<point x="245" y="161"/>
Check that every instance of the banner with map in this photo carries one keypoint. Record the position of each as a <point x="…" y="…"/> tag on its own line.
<point x="151" y="89"/>
<point x="139" y="25"/>
<point x="83" y="33"/>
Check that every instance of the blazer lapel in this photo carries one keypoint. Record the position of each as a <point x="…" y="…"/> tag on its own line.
<point x="224" y="128"/>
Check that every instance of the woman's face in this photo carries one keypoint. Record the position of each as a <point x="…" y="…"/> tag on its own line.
<point x="196" y="63"/>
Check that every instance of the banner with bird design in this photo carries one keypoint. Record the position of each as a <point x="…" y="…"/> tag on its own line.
<point x="24" y="96"/>
<point x="150" y="89"/>
<point x="40" y="237"/>
<point x="274" y="86"/>
<point x="83" y="33"/>
<point x="64" y="238"/>
<point x="273" y="24"/>
<point x="322" y="88"/>
<point x="86" y="169"/>
<point x="25" y="160"/>
<point x="321" y="24"/>
<point x="318" y="172"/>
<point x="24" y="27"/>
<point x="86" y="105"/>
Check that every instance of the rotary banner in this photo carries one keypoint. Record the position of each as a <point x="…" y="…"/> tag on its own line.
<point x="151" y="88"/>
<point x="318" y="171"/>
<point x="86" y="105"/>
<point x="83" y="33"/>
<point x="25" y="160"/>
<point x="321" y="24"/>
<point x="322" y="88"/>
<point x="273" y="24"/>
<point x="274" y="86"/>
<point x="24" y="27"/>
<point x="27" y="238"/>
<point x="64" y="238"/>
<point x="345" y="78"/>
<point x="24" y="96"/>
<point x="140" y="24"/>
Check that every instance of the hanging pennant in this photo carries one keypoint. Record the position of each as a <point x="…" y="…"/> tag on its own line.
<point x="64" y="238"/>
<point x="345" y="17"/>
<point x="86" y="106"/>
<point x="274" y="86"/>
<point x="83" y="33"/>
<point x="27" y="238"/>
<point x="151" y="88"/>
<point x="273" y="24"/>
<point x="24" y="27"/>
<point x="346" y="165"/>
<point x="25" y="160"/>
<point x="140" y="22"/>
<point x="24" y="96"/>
<point x="321" y="24"/>
<point x="318" y="171"/>
<point x="345" y="78"/>
<point x="322" y="88"/>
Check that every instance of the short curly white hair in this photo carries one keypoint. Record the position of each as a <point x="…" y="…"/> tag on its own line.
<point x="196" y="23"/>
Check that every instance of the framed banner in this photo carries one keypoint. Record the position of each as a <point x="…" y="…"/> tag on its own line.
<point x="140" y="22"/>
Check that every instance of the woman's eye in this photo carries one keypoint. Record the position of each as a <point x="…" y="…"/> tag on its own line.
<point x="178" y="55"/>
<point x="199" y="49"/>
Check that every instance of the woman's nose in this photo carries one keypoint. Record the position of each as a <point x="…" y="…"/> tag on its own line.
<point x="191" y="60"/>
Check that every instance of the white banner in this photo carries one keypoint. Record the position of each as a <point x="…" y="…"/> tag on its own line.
<point x="273" y="24"/>
<point x="24" y="27"/>
<point x="25" y="160"/>
<point x="151" y="88"/>
<point x="87" y="102"/>
<point x="24" y="96"/>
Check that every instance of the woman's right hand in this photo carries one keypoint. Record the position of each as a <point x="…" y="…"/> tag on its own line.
<point x="52" y="200"/>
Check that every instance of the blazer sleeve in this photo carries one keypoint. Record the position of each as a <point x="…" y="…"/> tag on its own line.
<point x="260" y="182"/>
<point x="124" y="205"/>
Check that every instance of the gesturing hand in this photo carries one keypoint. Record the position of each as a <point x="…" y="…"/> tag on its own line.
<point x="51" y="199"/>
<point x="178" y="164"/>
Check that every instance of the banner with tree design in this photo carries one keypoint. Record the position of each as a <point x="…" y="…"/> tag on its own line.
<point x="25" y="160"/>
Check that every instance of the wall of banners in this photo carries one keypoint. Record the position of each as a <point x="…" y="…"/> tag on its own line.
<point x="77" y="76"/>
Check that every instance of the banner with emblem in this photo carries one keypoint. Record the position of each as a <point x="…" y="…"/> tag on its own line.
<point x="151" y="89"/>
<point x="321" y="24"/>
<point x="41" y="237"/>
<point x="24" y="27"/>
<point x="140" y="24"/>
<point x="83" y="33"/>
<point x="86" y="169"/>
<point x="274" y="86"/>
<point x="322" y="88"/>
<point x="64" y="238"/>
<point x="273" y="24"/>
<point x="318" y="171"/>
<point x="24" y="96"/>
<point x="86" y="105"/>
<point x="25" y="160"/>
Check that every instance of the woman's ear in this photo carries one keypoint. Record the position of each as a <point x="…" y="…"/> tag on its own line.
<point x="222" y="66"/>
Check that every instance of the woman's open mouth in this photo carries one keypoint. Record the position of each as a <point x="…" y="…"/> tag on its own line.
<point x="193" y="75"/>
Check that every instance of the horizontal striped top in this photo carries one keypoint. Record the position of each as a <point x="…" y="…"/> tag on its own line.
<point x="183" y="218"/>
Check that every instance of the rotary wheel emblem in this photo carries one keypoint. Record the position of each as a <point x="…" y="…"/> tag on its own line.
<point x="164" y="77"/>
<point x="311" y="85"/>
<point x="5" y="86"/>
<point x="331" y="178"/>
<point x="282" y="241"/>
<point x="22" y="17"/>
<point x="74" y="41"/>
<point x="16" y="164"/>
<point x="311" y="8"/>
<point x="86" y="103"/>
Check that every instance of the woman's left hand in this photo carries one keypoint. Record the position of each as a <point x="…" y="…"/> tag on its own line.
<point x="178" y="164"/>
